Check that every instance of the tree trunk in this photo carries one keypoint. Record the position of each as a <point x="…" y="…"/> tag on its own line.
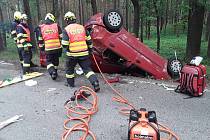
<point x="195" y="26"/>
<point x="8" y="11"/>
<point x="55" y="11"/>
<point x="166" y="16"/>
<point x="2" y="33"/>
<point x="136" y="17"/>
<point x="18" y="5"/>
<point x="149" y="30"/>
<point x="207" y="27"/>
<point x="146" y="27"/>
<point x="28" y="13"/>
<point x="157" y="25"/>
<point x="61" y="19"/>
<point x="142" y="29"/>
<point x="38" y="11"/>
<point x="115" y="4"/>
<point x="1" y="37"/>
<point x="94" y="6"/>
<point x="176" y="17"/>
<point x="208" y="52"/>
<point x="161" y="23"/>
<point x="45" y="4"/>
<point x="149" y="22"/>
<point x="126" y="22"/>
<point x="82" y="11"/>
<point x="1" y="42"/>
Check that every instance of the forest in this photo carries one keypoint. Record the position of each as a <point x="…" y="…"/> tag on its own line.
<point x="164" y="25"/>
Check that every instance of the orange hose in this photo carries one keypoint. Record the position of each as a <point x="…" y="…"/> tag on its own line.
<point x="83" y="117"/>
<point x="120" y="98"/>
<point x="125" y="111"/>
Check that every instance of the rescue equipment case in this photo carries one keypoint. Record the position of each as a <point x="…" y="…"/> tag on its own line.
<point x="193" y="80"/>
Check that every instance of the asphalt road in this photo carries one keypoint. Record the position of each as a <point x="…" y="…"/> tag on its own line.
<point x="44" y="112"/>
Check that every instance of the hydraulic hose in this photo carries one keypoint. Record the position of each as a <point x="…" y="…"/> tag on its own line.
<point x="125" y="111"/>
<point x="83" y="113"/>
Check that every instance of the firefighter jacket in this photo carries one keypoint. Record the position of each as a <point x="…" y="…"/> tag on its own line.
<point x="13" y="30"/>
<point x="23" y="36"/>
<point x="76" y="40"/>
<point x="49" y="37"/>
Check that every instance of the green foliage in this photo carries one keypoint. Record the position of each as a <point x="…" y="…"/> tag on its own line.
<point x="171" y="43"/>
<point x="10" y="53"/>
<point x="33" y="7"/>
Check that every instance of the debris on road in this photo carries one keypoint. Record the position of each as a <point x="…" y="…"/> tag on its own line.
<point x="5" y="63"/>
<point x="114" y="80"/>
<point x="14" y="119"/>
<point x="30" y="83"/>
<point x="51" y="89"/>
<point x="165" y="86"/>
<point x="10" y="81"/>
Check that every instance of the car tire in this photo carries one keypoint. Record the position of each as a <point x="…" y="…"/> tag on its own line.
<point x="174" y="67"/>
<point x="113" y="20"/>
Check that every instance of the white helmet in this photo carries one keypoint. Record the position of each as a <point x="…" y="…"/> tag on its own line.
<point x="69" y="15"/>
<point x="24" y="17"/>
<point x="50" y="17"/>
<point x="17" y="15"/>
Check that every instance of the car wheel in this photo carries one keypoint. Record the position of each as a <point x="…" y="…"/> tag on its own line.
<point x="113" y="20"/>
<point x="174" y="67"/>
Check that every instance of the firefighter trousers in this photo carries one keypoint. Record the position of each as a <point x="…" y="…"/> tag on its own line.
<point x="85" y="64"/>
<point x="52" y="61"/>
<point x="25" y="55"/>
<point x="21" y="55"/>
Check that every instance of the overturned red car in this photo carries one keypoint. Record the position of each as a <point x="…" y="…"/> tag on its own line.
<point x="118" y="51"/>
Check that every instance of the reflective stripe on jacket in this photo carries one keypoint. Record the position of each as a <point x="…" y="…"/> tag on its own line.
<point x="77" y="40"/>
<point x="27" y="35"/>
<point x="50" y="35"/>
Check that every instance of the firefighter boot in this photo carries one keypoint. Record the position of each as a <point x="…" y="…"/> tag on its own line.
<point x="33" y="65"/>
<point x="56" y="71"/>
<point x="96" y="86"/>
<point x="54" y="75"/>
<point x="26" y="70"/>
<point x="70" y="82"/>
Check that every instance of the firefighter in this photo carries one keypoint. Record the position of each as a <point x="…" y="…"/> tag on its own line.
<point x="17" y="19"/>
<point x="49" y="41"/>
<point x="24" y="43"/>
<point x="78" y="46"/>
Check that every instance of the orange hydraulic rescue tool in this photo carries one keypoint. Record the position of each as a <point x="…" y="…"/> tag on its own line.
<point x="143" y="125"/>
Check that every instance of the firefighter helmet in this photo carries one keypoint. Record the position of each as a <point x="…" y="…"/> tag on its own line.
<point x="17" y="15"/>
<point x="50" y="17"/>
<point x="69" y="16"/>
<point x="24" y="17"/>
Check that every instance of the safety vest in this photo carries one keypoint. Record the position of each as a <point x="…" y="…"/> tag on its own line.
<point x="27" y="35"/>
<point x="50" y="35"/>
<point x="77" y="34"/>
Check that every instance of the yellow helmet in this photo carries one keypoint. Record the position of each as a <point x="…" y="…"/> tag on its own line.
<point x="17" y="15"/>
<point x="69" y="15"/>
<point x="50" y="17"/>
<point x="24" y="17"/>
